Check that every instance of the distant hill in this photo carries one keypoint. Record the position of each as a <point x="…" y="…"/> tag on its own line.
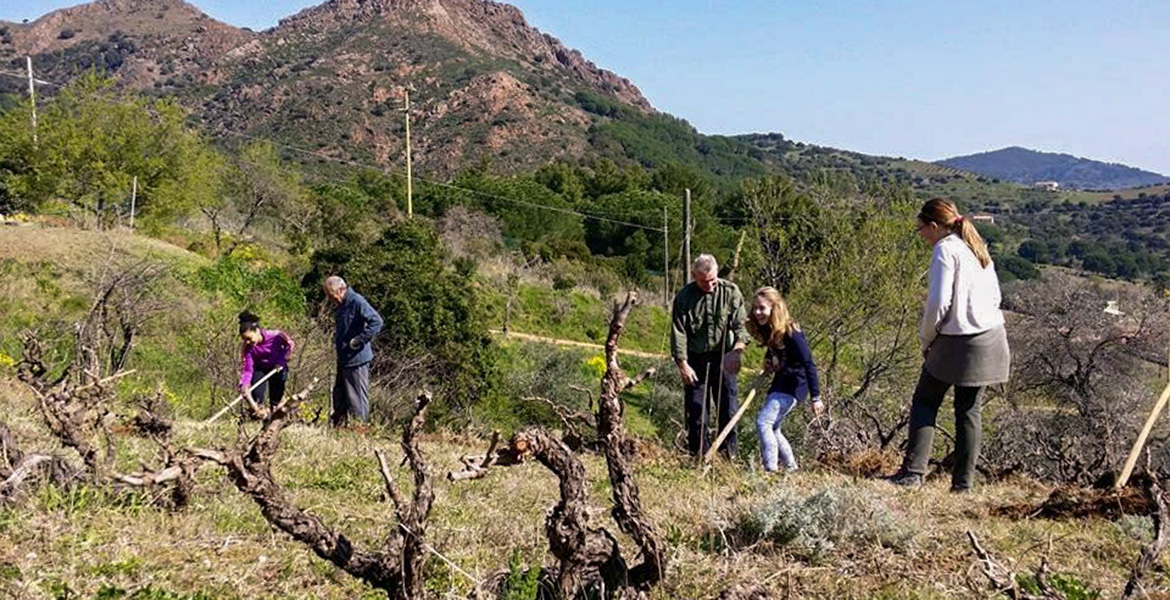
<point x="485" y="86"/>
<point x="1022" y="165"/>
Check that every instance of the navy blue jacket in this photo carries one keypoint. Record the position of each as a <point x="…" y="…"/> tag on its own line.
<point x="797" y="375"/>
<point x="355" y="319"/>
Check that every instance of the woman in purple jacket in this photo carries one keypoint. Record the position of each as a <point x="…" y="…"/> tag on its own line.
<point x="261" y="351"/>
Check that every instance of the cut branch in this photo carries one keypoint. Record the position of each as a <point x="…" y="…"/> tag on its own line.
<point x="1153" y="550"/>
<point x="589" y="560"/>
<point x="396" y="566"/>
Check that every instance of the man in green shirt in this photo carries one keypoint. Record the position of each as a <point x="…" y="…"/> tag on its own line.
<point x="707" y="343"/>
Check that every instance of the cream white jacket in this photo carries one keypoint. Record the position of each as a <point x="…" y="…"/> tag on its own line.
<point x="964" y="297"/>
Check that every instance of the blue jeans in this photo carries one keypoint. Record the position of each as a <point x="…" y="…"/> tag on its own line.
<point x="774" y="447"/>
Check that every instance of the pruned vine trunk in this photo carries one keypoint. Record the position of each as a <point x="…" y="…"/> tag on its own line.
<point x="396" y="566"/>
<point x="627" y="509"/>
<point x="589" y="560"/>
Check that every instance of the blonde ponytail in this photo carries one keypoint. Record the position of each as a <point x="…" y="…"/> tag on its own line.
<point x="974" y="241"/>
<point x="945" y="214"/>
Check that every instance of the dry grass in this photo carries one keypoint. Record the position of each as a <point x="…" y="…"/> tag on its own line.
<point x="84" y="250"/>
<point x="223" y="548"/>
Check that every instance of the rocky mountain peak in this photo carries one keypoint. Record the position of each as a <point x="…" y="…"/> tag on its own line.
<point x="485" y="26"/>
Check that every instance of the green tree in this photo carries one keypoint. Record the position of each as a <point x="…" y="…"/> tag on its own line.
<point x="258" y="187"/>
<point x="435" y="331"/>
<point x="92" y="140"/>
<point x="528" y="211"/>
<point x="562" y="179"/>
<point x="1035" y="251"/>
<point x="850" y="268"/>
<point x="1011" y="268"/>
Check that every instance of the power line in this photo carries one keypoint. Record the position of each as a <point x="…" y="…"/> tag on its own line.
<point x="318" y="154"/>
<point x="24" y="77"/>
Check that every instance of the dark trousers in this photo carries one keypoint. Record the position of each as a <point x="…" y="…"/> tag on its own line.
<point x="928" y="397"/>
<point x="275" y="384"/>
<point x="351" y="394"/>
<point x="714" y="389"/>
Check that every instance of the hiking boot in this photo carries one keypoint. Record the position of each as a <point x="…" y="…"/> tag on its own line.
<point x="960" y="489"/>
<point x="906" y="479"/>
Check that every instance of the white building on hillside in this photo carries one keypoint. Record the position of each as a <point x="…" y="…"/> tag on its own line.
<point x="1051" y="186"/>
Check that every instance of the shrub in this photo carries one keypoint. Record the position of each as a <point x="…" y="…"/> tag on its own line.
<point x="816" y="526"/>
<point x="521" y="584"/>
<point x="563" y="282"/>
<point x="435" y="331"/>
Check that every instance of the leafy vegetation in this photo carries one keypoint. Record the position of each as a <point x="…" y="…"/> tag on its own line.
<point x="833" y="520"/>
<point x="435" y="332"/>
<point x="92" y="141"/>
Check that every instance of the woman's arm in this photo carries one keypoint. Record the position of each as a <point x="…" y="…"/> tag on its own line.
<point x="939" y="295"/>
<point x="246" y="367"/>
<point x="806" y="358"/>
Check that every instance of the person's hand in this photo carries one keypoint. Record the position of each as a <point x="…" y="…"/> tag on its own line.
<point x="818" y="406"/>
<point x="732" y="362"/>
<point x="687" y="374"/>
<point x="925" y="352"/>
<point x="769" y="365"/>
<point x="355" y="344"/>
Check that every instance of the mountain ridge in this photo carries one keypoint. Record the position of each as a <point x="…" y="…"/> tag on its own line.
<point x="485" y="84"/>
<point x="1027" y="166"/>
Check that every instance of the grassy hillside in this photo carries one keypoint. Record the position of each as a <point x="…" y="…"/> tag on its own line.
<point x="897" y="544"/>
<point x="820" y="533"/>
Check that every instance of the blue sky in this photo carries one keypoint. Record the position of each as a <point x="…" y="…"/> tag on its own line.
<point x="902" y="78"/>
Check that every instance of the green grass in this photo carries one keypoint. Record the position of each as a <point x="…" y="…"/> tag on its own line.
<point x="575" y="315"/>
<point x="91" y="542"/>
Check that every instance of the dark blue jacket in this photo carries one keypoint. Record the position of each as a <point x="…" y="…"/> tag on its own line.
<point x="797" y="375"/>
<point x="355" y="319"/>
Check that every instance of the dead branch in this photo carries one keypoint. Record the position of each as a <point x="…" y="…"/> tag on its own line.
<point x="17" y="467"/>
<point x="573" y="420"/>
<point x="627" y="510"/>
<point x="477" y="467"/>
<point x="11" y="486"/>
<point x="1004" y="580"/>
<point x="589" y="560"/>
<point x="731" y="270"/>
<point x="75" y="406"/>
<point x="10" y="453"/>
<point x="396" y="566"/>
<point x="1153" y="550"/>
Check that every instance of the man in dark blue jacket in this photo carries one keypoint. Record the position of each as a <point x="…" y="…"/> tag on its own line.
<point x="356" y="325"/>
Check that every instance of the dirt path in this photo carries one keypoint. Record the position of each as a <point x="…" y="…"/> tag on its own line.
<point x="559" y="342"/>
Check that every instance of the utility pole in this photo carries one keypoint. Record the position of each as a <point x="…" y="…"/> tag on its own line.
<point x="687" y="234"/>
<point x="665" y="260"/>
<point x="409" y="182"/>
<point x="133" y="201"/>
<point x="32" y="98"/>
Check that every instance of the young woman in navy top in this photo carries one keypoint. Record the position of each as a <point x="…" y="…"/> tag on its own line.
<point x="794" y="375"/>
